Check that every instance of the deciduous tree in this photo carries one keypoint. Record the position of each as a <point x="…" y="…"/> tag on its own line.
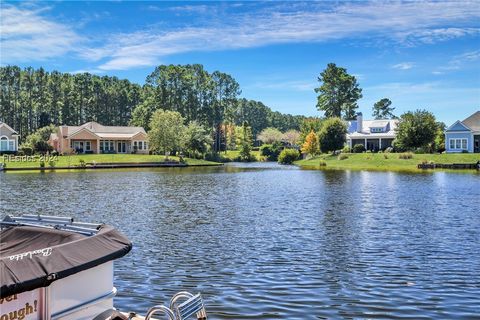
<point x="166" y="131"/>
<point x="311" y="145"/>
<point x="270" y="135"/>
<point x="333" y="135"/>
<point x="415" y="130"/>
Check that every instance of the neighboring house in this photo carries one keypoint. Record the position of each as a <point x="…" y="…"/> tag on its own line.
<point x="8" y="138"/>
<point x="372" y="134"/>
<point x="93" y="137"/>
<point x="464" y="135"/>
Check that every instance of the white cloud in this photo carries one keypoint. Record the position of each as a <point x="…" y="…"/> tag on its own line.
<point x="404" y="23"/>
<point x="26" y="36"/>
<point x="458" y="61"/>
<point x="403" y="66"/>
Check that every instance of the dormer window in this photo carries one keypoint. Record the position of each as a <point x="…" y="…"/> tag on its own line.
<point x="374" y="130"/>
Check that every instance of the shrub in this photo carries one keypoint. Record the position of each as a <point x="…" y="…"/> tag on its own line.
<point x="42" y="164"/>
<point x="287" y="156"/>
<point x="368" y="151"/>
<point x="405" y="155"/>
<point x="385" y="156"/>
<point x="82" y="163"/>
<point x="346" y="149"/>
<point x="342" y="156"/>
<point x="27" y="150"/>
<point x="358" y="148"/>
<point x="270" y="151"/>
<point x="464" y="151"/>
<point x="51" y="163"/>
<point x="322" y="163"/>
<point x="389" y="150"/>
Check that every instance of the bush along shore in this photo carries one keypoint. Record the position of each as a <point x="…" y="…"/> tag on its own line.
<point x="96" y="161"/>
<point x="385" y="161"/>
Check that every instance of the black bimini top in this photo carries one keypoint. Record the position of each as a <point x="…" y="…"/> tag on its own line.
<point x="34" y="256"/>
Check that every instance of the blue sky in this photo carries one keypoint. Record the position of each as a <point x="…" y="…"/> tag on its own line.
<point x="419" y="54"/>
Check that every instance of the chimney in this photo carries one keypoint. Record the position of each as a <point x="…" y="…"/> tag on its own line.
<point x="359" y="122"/>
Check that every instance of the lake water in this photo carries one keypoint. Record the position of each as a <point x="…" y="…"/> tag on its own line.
<point x="263" y="241"/>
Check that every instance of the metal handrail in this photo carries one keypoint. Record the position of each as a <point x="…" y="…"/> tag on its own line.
<point x="51" y="222"/>
<point x="160" y="308"/>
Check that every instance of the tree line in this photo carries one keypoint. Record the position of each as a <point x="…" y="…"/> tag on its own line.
<point x="35" y="98"/>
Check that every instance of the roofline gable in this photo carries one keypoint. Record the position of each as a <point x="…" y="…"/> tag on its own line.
<point x="460" y="123"/>
<point x="83" y="129"/>
<point x="3" y="124"/>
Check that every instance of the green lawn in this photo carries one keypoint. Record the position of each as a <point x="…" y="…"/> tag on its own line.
<point x="384" y="161"/>
<point x="74" y="160"/>
<point x="233" y="155"/>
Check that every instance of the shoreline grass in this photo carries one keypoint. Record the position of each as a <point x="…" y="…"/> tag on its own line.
<point x="75" y="160"/>
<point x="385" y="161"/>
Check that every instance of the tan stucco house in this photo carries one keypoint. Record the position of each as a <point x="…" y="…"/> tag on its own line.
<point x="93" y="137"/>
<point x="8" y="138"/>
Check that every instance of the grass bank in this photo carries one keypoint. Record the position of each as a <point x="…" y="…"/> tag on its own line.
<point x="76" y="160"/>
<point x="383" y="161"/>
<point x="234" y="155"/>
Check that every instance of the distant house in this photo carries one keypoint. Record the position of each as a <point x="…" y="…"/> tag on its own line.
<point x="93" y="137"/>
<point x="464" y="135"/>
<point x="372" y="134"/>
<point x="8" y="138"/>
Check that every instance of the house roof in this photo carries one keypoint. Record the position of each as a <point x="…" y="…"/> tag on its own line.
<point x="367" y="124"/>
<point x="3" y="124"/>
<point x="473" y="122"/>
<point x="105" y="131"/>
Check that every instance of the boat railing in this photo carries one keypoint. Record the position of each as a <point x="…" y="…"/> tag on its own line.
<point x="192" y="305"/>
<point x="51" y="222"/>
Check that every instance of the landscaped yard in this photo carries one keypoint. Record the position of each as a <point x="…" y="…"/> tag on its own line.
<point x="384" y="161"/>
<point x="233" y="155"/>
<point x="75" y="160"/>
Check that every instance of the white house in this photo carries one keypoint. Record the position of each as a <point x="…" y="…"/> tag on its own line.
<point x="372" y="134"/>
<point x="464" y="136"/>
<point x="8" y="138"/>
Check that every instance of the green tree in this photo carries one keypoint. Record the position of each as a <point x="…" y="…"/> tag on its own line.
<point x="415" y="130"/>
<point x="270" y="135"/>
<point x="166" y="131"/>
<point x="382" y="109"/>
<point x="197" y="139"/>
<point x="311" y="145"/>
<point x="38" y="141"/>
<point x="338" y="93"/>
<point x="333" y="135"/>
<point x="244" y="142"/>
<point x="439" y="143"/>
<point x="308" y="125"/>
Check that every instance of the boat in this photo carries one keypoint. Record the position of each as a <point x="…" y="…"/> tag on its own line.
<point x="57" y="268"/>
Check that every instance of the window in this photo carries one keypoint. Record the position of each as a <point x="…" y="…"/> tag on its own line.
<point x="140" y="145"/>
<point x="88" y="146"/>
<point x="458" y="144"/>
<point x="376" y="129"/>
<point x="135" y="145"/>
<point x="11" y="145"/>
<point x="4" y="144"/>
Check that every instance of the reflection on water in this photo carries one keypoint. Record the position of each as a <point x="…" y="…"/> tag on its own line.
<point x="272" y="242"/>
